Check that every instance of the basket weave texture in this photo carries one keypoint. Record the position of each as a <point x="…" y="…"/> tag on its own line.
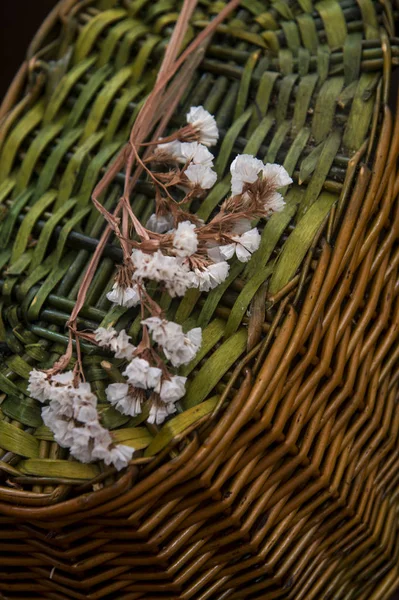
<point x="280" y="478"/>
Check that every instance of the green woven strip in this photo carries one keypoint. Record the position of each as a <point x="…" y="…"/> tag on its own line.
<point x="6" y="188"/>
<point x="54" y="277"/>
<point x="245" y="84"/>
<point x="323" y="63"/>
<point x="139" y="65"/>
<point x="178" y="424"/>
<point x="258" y="136"/>
<point x="262" y="99"/>
<point x="26" y="124"/>
<point x="327" y="156"/>
<point x="299" y="242"/>
<point x="22" y="239"/>
<point x="112" y="40"/>
<point x="334" y="22"/>
<point x="53" y="162"/>
<point x="47" y="232"/>
<point x="214" y="368"/>
<point x="118" y="113"/>
<point x="7" y="227"/>
<point x="303" y="97"/>
<point x="309" y="163"/>
<point x="272" y="232"/>
<point x="24" y="410"/>
<point x="277" y="141"/>
<point x="64" y="88"/>
<point x="284" y="96"/>
<point x="46" y="467"/>
<point x="93" y="172"/>
<point x="370" y="21"/>
<point x="292" y="35"/>
<point x="44" y="137"/>
<point x="18" y="441"/>
<point x="361" y="112"/>
<point x="77" y="163"/>
<point x="228" y="142"/>
<point x="244" y="299"/>
<point x="104" y="98"/>
<point x="325" y="108"/>
<point x="308" y="30"/>
<point x="352" y="57"/>
<point x="93" y="29"/>
<point x="125" y="48"/>
<point x="86" y="95"/>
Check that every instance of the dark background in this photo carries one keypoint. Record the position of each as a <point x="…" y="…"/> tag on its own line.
<point x="19" y="20"/>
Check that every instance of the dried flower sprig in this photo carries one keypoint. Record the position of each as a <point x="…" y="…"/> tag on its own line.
<point x="174" y="248"/>
<point x="178" y="253"/>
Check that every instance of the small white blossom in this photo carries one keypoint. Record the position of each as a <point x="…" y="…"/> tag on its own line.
<point x="171" y="148"/>
<point x="175" y="275"/>
<point x="121" y="347"/>
<point x="275" y="203"/>
<point x="212" y="276"/>
<point x="178" y="347"/>
<point x="197" y="153"/>
<point x="243" y="246"/>
<point x="185" y="240"/>
<point x="124" y="296"/>
<point x="245" y="168"/>
<point x="161" y="223"/>
<point x="277" y="175"/>
<point x="205" y="124"/>
<point x="104" y="335"/>
<point x="119" y="456"/>
<point x="65" y="378"/>
<point x="127" y="399"/>
<point x="140" y="374"/>
<point x="173" y="389"/>
<point x="160" y="410"/>
<point x="201" y="176"/>
<point x="39" y="386"/>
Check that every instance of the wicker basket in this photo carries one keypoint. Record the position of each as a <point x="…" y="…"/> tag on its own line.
<point x="280" y="479"/>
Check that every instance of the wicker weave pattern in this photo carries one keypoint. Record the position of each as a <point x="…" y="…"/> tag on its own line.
<point x="283" y="482"/>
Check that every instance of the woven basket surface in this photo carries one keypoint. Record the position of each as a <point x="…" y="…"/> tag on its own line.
<point x="280" y="479"/>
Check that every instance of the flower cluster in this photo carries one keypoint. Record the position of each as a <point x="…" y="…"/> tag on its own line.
<point x="144" y="379"/>
<point x="73" y="418"/>
<point x="178" y="252"/>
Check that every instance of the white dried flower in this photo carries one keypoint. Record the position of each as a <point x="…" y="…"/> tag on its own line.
<point x="121" y="347"/>
<point x="170" y="270"/>
<point x="173" y="389"/>
<point x="277" y="175"/>
<point x="201" y="176"/>
<point x="197" y="153"/>
<point x="104" y="335"/>
<point x="171" y="148"/>
<point x="158" y="413"/>
<point x="124" y="296"/>
<point x="39" y="386"/>
<point x="205" y="124"/>
<point x="212" y="276"/>
<point x="275" y="203"/>
<point x="161" y="223"/>
<point x="142" y="375"/>
<point x="178" y="347"/>
<point x="127" y="399"/>
<point x="185" y="240"/>
<point x="243" y="246"/>
<point x="119" y="456"/>
<point x="245" y="168"/>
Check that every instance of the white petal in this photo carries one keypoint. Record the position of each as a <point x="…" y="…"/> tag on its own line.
<point x="277" y="174"/>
